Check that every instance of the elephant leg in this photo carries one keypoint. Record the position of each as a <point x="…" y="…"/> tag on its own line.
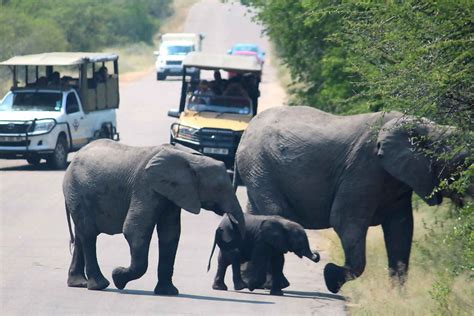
<point x="398" y="235"/>
<point x="258" y="265"/>
<point x="352" y="233"/>
<point x="222" y="263"/>
<point x="284" y="283"/>
<point x="277" y="263"/>
<point x="138" y="238"/>
<point x="76" y="276"/>
<point x="239" y="284"/>
<point x="95" y="278"/>
<point x="169" y="229"/>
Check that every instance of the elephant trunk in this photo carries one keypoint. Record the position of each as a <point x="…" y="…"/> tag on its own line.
<point x="311" y="255"/>
<point x="234" y="211"/>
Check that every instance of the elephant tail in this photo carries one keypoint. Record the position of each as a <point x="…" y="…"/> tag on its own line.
<point x="213" y="248"/>
<point x="71" y="234"/>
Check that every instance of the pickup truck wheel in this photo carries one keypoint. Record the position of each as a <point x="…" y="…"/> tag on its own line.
<point x="33" y="160"/>
<point x="58" y="159"/>
<point x="160" y="76"/>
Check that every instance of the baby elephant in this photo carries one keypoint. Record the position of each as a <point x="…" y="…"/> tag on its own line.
<point x="267" y="239"/>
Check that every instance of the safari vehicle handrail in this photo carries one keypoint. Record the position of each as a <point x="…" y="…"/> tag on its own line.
<point x="233" y="63"/>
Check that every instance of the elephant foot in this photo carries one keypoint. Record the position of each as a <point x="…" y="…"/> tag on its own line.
<point x="98" y="283"/>
<point x="334" y="276"/>
<point x="219" y="286"/>
<point x="278" y="292"/>
<point x="166" y="289"/>
<point x="284" y="283"/>
<point x="77" y="281"/>
<point x="119" y="277"/>
<point x="239" y="285"/>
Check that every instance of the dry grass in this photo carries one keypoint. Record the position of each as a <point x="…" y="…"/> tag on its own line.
<point x="374" y="294"/>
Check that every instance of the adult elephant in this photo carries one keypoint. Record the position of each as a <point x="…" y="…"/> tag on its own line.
<point x="113" y="188"/>
<point x="345" y="172"/>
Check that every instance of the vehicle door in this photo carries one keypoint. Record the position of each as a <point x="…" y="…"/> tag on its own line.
<point x="78" y="123"/>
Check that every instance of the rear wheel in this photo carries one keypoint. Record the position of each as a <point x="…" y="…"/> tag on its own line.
<point x="58" y="159"/>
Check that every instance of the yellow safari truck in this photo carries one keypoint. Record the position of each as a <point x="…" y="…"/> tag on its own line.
<point x="215" y="110"/>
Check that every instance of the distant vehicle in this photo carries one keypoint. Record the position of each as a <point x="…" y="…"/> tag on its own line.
<point x="46" y="116"/>
<point x="248" y="50"/>
<point x="173" y="49"/>
<point x="213" y="114"/>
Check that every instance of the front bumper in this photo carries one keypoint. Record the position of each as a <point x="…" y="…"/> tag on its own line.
<point x="220" y="144"/>
<point x="175" y="70"/>
<point x="21" y="144"/>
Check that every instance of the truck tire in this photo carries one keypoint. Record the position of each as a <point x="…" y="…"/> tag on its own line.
<point x="33" y="160"/>
<point x="160" y="76"/>
<point x="58" y="159"/>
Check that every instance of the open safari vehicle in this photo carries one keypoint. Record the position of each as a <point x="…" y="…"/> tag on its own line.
<point x="58" y="103"/>
<point x="214" y="112"/>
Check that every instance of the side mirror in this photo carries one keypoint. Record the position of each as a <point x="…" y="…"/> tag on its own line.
<point x="173" y="113"/>
<point x="229" y="51"/>
<point x="156" y="53"/>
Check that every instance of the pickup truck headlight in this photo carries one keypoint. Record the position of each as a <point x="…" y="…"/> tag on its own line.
<point x="186" y="133"/>
<point x="43" y="126"/>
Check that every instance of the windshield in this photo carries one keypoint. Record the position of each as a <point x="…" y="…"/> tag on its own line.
<point x="245" y="48"/>
<point x="202" y="102"/>
<point x="32" y="101"/>
<point x="179" y="50"/>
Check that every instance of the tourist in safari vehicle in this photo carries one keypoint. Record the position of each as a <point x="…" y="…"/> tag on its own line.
<point x="214" y="112"/>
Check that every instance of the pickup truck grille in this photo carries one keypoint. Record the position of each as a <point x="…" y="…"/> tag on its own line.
<point x="14" y="128"/>
<point x="219" y="138"/>
<point x="174" y="62"/>
<point x="23" y="143"/>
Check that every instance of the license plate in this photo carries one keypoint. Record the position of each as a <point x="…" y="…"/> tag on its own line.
<point x="218" y="151"/>
<point x="11" y="138"/>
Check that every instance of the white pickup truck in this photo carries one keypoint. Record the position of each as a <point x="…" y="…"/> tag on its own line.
<point x="173" y="49"/>
<point x="49" y="116"/>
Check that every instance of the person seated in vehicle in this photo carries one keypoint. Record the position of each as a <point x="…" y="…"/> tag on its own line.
<point x="42" y="81"/>
<point x="203" y="93"/>
<point x="235" y="90"/>
<point x="54" y="79"/>
<point x="101" y="75"/>
<point x="218" y="84"/>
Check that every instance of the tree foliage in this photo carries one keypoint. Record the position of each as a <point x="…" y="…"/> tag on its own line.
<point x="30" y="26"/>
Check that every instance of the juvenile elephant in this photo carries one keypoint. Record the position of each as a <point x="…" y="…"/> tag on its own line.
<point x="113" y="188"/>
<point x="345" y="172"/>
<point x="267" y="239"/>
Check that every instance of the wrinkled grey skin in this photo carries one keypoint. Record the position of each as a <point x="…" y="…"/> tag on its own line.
<point x="345" y="172"/>
<point x="267" y="239"/>
<point x="113" y="188"/>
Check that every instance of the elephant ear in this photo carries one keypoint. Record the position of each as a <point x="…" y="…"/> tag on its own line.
<point x="170" y="174"/>
<point x="274" y="235"/>
<point x="404" y="160"/>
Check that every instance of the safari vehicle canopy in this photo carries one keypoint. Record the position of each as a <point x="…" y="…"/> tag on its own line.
<point x="97" y="88"/>
<point x="213" y="114"/>
<point x="234" y="65"/>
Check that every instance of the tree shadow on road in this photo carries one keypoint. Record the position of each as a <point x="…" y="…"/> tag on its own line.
<point x="188" y="296"/>
<point x="301" y="294"/>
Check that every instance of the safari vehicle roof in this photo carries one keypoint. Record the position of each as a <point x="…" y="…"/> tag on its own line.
<point x="59" y="59"/>
<point x="225" y="62"/>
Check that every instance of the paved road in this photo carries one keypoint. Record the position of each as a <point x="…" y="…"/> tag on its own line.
<point x="34" y="255"/>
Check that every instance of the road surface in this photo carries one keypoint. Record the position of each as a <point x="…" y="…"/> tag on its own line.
<point x="34" y="253"/>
